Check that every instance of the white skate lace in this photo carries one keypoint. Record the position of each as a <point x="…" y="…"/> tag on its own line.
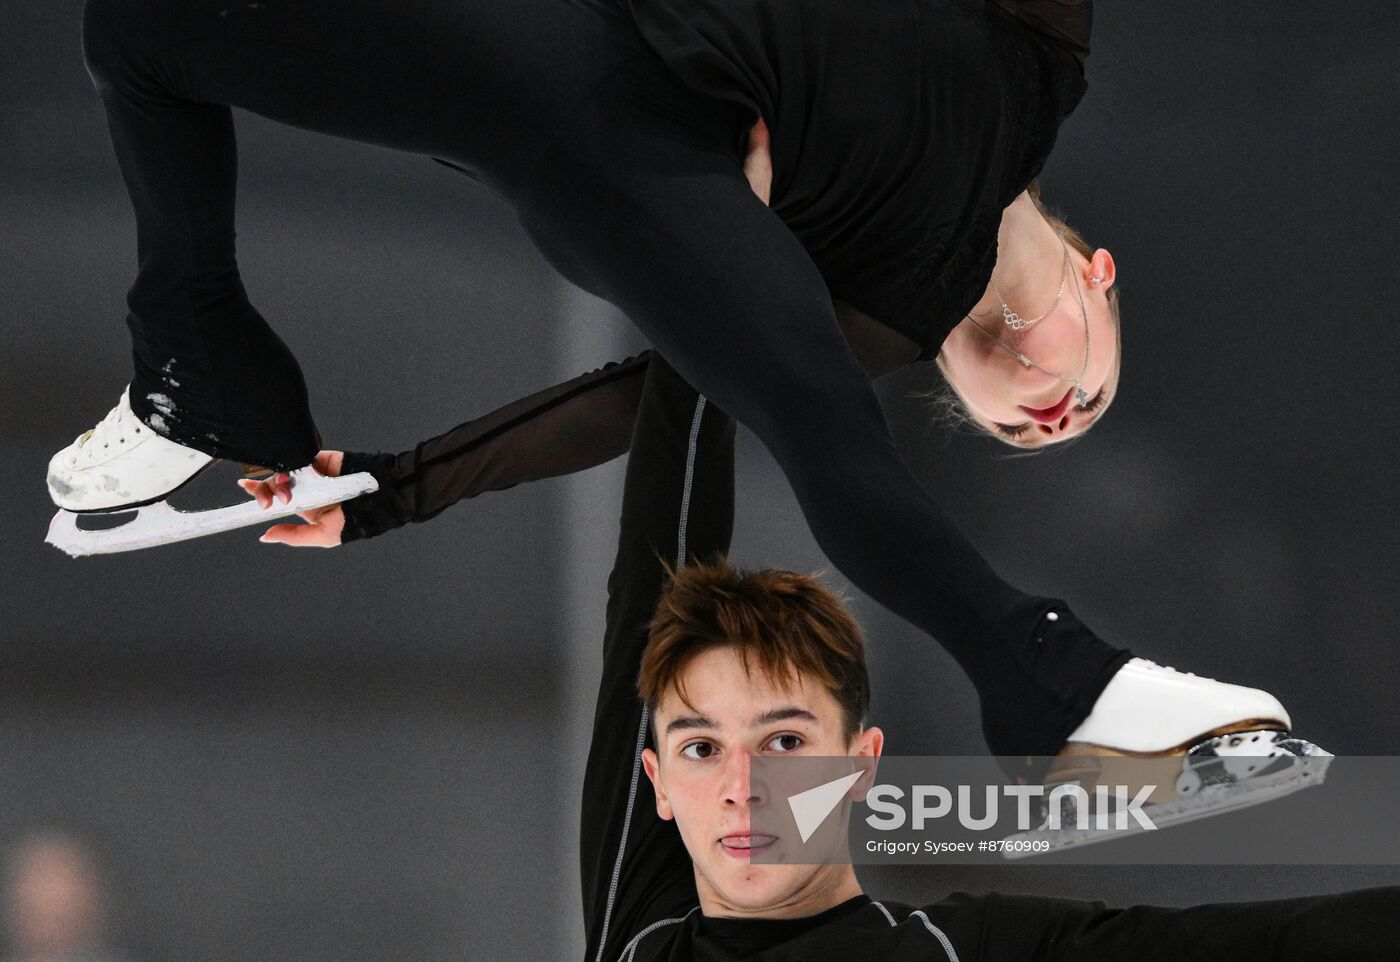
<point x="120" y="426"/>
<point x="1153" y="664"/>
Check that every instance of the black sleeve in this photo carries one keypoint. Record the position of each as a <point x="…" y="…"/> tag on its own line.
<point x="1360" y="926"/>
<point x="678" y="504"/>
<point x="562" y="429"/>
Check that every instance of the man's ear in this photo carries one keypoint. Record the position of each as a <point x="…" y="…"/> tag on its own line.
<point x="652" y="765"/>
<point x="868" y="746"/>
<point x="871" y="741"/>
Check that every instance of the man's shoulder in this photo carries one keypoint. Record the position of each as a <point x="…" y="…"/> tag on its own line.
<point x="961" y="921"/>
<point x="954" y="923"/>
<point x="653" y="941"/>
<point x="955" y="928"/>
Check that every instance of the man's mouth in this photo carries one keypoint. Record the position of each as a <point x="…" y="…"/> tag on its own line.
<point x="743" y="845"/>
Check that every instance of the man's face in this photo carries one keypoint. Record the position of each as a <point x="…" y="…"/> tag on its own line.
<point x="700" y="771"/>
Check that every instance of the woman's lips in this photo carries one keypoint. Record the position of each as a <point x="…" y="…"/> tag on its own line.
<point x="1051" y="414"/>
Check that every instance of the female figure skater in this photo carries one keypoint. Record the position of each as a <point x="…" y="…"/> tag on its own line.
<point x="905" y="133"/>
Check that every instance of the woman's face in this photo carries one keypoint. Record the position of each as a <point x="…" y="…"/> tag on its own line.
<point x="1023" y="404"/>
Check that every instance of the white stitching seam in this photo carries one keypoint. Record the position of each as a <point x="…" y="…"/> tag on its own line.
<point x="630" y="950"/>
<point x="937" y="932"/>
<point x="646" y="715"/>
<point x="689" y="479"/>
<point x="626" y="824"/>
<point x="947" y="943"/>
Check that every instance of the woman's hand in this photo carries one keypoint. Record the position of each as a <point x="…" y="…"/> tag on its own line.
<point x="323" y="525"/>
<point x="758" y="162"/>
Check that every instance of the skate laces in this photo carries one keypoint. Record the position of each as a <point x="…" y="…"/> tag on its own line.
<point x="118" y="428"/>
<point x="1156" y="667"/>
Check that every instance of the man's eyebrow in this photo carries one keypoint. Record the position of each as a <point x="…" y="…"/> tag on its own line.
<point x="686" y="722"/>
<point x="783" y="714"/>
<point x="689" y="722"/>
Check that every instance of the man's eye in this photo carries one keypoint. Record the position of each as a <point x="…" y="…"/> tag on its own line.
<point x="785" y="743"/>
<point x="698" y="751"/>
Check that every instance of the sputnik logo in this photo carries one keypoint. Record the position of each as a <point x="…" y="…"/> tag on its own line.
<point x="811" y="808"/>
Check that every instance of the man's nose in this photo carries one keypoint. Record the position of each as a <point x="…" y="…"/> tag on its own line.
<point x="739" y="785"/>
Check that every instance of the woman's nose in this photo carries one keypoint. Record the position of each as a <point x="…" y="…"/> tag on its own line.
<point x="1057" y="427"/>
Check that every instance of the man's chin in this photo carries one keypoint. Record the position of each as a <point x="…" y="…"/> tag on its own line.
<point x="753" y="888"/>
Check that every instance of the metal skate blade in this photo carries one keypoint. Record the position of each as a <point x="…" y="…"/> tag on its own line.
<point x="159" y="523"/>
<point x="1305" y="772"/>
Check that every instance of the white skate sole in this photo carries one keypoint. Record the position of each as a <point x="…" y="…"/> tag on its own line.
<point x="157" y="524"/>
<point x="1216" y="777"/>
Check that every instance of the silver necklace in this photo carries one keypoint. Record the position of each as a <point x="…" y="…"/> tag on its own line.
<point x="1081" y="396"/>
<point x="1018" y="323"/>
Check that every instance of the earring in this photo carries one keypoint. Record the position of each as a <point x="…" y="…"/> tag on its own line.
<point x="1095" y="281"/>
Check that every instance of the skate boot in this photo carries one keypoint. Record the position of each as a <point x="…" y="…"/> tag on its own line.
<point x="123" y="464"/>
<point x="1176" y="747"/>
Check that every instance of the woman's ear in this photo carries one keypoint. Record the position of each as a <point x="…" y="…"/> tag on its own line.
<point x="1101" y="271"/>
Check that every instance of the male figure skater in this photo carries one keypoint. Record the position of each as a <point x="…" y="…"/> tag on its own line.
<point x="665" y="862"/>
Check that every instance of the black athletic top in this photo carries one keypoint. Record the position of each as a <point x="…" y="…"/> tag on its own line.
<point x="900" y="216"/>
<point x="1357" y="926"/>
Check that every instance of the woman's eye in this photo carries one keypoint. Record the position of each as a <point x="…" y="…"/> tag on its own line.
<point x="1099" y="401"/>
<point x="698" y="751"/>
<point x="1012" y="430"/>
<point x="785" y="743"/>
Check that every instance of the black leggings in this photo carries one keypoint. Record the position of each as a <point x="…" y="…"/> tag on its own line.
<point x="631" y="186"/>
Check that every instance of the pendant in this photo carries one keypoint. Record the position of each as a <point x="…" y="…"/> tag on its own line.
<point x="1081" y="396"/>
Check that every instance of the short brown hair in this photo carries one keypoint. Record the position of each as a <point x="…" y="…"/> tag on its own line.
<point x="789" y="623"/>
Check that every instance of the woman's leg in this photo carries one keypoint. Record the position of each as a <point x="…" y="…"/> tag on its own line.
<point x="210" y="373"/>
<point x="471" y="80"/>
<point x="662" y="222"/>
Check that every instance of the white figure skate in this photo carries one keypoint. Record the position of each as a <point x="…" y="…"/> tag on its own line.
<point x="1206" y="747"/>
<point x="122" y="464"/>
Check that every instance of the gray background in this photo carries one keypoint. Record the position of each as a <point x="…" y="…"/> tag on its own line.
<point x="374" y="752"/>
